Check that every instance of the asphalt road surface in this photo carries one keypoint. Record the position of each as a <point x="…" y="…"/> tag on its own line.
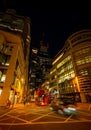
<point x="32" y="117"/>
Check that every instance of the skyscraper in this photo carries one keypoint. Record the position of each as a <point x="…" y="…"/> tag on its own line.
<point x="40" y="64"/>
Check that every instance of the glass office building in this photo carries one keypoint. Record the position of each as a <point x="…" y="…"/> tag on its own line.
<point x="71" y="69"/>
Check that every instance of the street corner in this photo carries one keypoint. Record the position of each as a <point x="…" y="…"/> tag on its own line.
<point x="21" y="105"/>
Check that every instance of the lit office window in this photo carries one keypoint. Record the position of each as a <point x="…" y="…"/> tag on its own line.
<point x="2" y="75"/>
<point x="3" y="78"/>
<point x="83" y="72"/>
<point x="0" y="91"/>
<point x="86" y="59"/>
<point x="64" y="61"/>
<point x="86" y="50"/>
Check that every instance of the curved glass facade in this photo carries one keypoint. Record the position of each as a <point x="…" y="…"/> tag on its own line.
<point x="73" y="67"/>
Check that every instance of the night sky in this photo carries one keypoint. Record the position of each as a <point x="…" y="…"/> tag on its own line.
<point x="57" y="20"/>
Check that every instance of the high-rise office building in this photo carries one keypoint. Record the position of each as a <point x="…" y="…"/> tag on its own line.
<point x="41" y="63"/>
<point x="71" y="69"/>
<point x="15" y="42"/>
<point x="45" y="60"/>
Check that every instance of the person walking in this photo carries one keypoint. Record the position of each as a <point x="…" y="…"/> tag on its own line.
<point x="24" y="102"/>
<point x="8" y="103"/>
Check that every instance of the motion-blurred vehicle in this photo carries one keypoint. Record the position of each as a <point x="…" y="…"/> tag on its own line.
<point x="66" y="106"/>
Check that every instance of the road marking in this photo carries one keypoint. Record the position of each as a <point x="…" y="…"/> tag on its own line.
<point x="56" y="116"/>
<point x="6" y="113"/>
<point x="20" y="119"/>
<point x="5" y="119"/>
<point x="51" y="122"/>
<point x="68" y="118"/>
<point x="58" y="122"/>
<point x="41" y="116"/>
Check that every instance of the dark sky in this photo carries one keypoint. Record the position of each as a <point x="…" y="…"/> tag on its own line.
<point x="57" y="20"/>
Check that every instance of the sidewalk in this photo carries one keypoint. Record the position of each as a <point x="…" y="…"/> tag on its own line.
<point x="5" y="109"/>
<point x="21" y="105"/>
<point x="84" y="106"/>
<point x="80" y="106"/>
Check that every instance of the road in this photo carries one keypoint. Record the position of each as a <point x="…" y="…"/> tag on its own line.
<point x="32" y="117"/>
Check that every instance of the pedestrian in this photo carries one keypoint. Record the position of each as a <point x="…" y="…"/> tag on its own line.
<point x="24" y="101"/>
<point x="8" y="103"/>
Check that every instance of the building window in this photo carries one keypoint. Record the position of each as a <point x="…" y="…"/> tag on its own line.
<point x="85" y="60"/>
<point x="7" y="49"/>
<point x="4" y="60"/>
<point x="83" y="72"/>
<point x="1" y="90"/>
<point x="64" y="61"/>
<point x="2" y="75"/>
<point x="83" y="51"/>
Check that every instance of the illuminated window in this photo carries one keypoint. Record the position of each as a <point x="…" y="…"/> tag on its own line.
<point x="0" y="91"/>
<point x="2" y="75"/>
<point x="86" y="59"/>
<point x="83" y="72"/>
<point x="59" y="57"/>
<point x="54" y="70"/>
<point x="86" y="50"/>
<point x="64" y="61"/>
<point x="67" y="76"/>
